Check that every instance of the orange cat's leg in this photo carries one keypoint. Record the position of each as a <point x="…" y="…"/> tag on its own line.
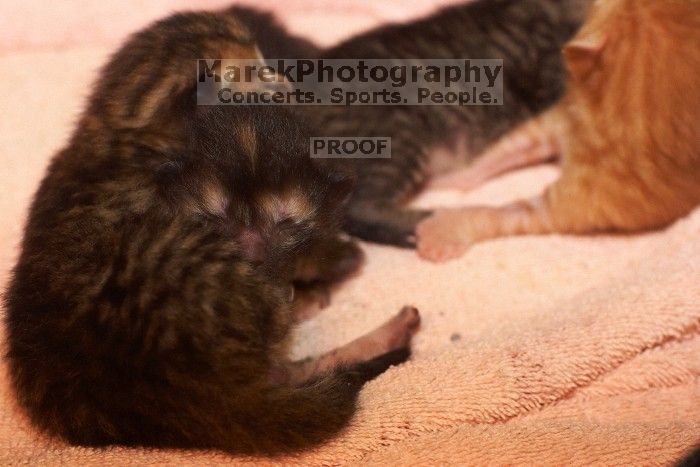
<point x="533" y="143"/>
<point x="579" y="202"/>
<point x="449" y="233"/>
<point x="395" y="334"/>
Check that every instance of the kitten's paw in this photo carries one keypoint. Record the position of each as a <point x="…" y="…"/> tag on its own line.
<point x="310" y="299"/>
<point x="402" y="327"/>
<point x="440" y="238"/>
<point x="345" y="260"/>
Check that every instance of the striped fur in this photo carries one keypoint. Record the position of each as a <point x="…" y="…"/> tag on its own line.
<point x="526" y="34"/>
<point x="151" y="300"/>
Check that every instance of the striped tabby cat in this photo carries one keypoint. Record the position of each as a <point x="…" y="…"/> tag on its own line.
<point x="526" y="34"/>
<point x="154" y="290"/>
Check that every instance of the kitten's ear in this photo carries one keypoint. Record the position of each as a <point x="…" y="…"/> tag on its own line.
<point x="217" y="87"/>
<point x="582" y="54"/>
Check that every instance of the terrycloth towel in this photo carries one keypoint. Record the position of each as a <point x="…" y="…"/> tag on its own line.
<point x="534" y="350"/>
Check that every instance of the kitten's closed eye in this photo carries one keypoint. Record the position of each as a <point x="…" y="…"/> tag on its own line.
<point x="342" y="184"/>
<point x="289" y="205"/>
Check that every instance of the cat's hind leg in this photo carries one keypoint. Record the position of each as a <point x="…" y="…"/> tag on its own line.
<point x="391" y="338"/>
<point x="534" y="142"/>
<point x="450" y="232"/>
<point x="582" y="201"/>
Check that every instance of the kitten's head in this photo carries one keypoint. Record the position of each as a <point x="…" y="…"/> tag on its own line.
<point x="282" y="205"/>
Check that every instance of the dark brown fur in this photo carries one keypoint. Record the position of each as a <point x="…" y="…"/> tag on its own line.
<point x="692" y="459"/>
<point x="151" y="299"/>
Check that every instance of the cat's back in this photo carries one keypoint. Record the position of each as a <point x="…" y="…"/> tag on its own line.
<point x="465" y="30"/>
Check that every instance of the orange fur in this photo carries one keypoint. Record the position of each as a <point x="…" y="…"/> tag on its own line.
<point x="632" y="143"/>
<point x="627" y="130"/>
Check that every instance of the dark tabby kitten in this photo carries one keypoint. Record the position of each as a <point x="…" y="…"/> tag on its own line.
<point x="152" y="296"/>
<point x="526" y="34"/>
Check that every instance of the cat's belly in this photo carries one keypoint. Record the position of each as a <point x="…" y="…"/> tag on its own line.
<point x="450" y="155"/>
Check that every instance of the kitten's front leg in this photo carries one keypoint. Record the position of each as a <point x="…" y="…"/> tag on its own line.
<point x="310" y="299"/>
<point x="333" y="261"/>
<point x="449" y="233"/>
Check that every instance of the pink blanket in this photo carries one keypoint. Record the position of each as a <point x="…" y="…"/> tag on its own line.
<point x="545" y="350"/>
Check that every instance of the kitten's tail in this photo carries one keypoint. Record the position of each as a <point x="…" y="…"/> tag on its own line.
<point x="292" y="419"/>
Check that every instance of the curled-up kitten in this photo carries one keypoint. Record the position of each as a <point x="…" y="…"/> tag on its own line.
<point x="526" y="34"/>
<point x="627" y="132"/>
<point x="153" y="293"/>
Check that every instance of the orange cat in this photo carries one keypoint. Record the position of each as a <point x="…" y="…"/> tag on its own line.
<point x="628" y="132"/>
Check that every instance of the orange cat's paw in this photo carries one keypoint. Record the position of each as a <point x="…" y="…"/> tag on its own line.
<point x="439" y="237"/>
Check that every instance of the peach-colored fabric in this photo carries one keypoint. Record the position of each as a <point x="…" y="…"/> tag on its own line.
<point x="545" y="350"/>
